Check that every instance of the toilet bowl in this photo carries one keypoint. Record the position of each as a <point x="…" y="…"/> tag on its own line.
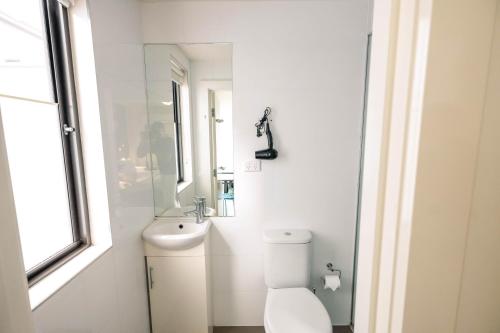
<point x="295" y="310"/>
<point x="290" y="306"/>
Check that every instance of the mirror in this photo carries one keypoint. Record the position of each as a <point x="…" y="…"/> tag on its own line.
<point x="190" y="132"/>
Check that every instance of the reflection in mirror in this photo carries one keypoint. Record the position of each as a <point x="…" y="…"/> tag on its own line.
<point x="189" y="92"/>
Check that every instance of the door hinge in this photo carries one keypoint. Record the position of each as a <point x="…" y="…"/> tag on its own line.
<point x="68" y="129"/>
<point x="213" y="112"/>
<point x="215" y="172"/>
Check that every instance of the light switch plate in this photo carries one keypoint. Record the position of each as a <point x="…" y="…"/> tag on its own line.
<point x="253" y="166"/>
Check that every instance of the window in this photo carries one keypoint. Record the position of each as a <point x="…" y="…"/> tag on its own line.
<point x="176" y="92"/>
<point x="40" y="122"/>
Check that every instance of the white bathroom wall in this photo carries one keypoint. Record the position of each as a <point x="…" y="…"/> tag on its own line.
<point x="306" y="60"/>
<point x="15" y="310"/>
<point x="110" y="295"/>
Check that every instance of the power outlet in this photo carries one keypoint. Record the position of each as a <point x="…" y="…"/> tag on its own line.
<point x="253" y="166"/>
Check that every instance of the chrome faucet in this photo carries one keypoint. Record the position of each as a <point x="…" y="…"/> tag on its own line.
<point x="200" y="204"/>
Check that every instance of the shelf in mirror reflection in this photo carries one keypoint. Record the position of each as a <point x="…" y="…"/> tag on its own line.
<point x="181" y="211"/>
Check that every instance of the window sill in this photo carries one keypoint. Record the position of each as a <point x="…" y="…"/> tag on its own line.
<point x="182" y="186"/>
<point x="47" y="287"/>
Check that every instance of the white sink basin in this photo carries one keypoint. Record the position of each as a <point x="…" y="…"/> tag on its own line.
<point x="175" y="235"/>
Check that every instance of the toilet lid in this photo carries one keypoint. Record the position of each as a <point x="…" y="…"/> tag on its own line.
<point x="296" y="310"/>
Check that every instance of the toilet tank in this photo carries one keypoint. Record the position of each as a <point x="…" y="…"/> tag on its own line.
<point x="287" y="258"/>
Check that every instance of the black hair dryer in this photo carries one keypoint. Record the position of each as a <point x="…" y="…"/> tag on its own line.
<point x="263" y="125"/>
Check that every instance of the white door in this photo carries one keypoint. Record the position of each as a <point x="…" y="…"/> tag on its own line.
<point x="177" y="294"/>
<point x="213" y="150"/>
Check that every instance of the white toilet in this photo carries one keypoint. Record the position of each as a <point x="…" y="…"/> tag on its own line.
<point x="290" y="306"/>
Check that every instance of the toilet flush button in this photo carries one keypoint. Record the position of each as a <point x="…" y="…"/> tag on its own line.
<point x="288" y="233"/>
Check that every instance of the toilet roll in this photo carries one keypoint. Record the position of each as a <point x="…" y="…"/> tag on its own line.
<point x="331" y="281"/>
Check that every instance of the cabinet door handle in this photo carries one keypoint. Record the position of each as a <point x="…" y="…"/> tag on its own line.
<point x="151" y="282"/>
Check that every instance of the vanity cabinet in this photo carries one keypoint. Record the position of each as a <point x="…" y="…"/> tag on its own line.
<point x="179" y="293"/>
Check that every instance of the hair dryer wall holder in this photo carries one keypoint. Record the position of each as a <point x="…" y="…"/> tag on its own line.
<point x="263" y="125"/>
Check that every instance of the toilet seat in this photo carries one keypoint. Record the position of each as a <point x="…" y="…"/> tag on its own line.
<point x="295" y="310"/>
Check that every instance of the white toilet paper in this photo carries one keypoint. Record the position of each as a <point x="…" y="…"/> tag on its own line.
<point x="331" y="281"/>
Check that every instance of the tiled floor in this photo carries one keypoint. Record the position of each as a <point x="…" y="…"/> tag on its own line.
<point x="256" y="329"/>
<point x="239" y="329"/>
<point x="342" y="329"/>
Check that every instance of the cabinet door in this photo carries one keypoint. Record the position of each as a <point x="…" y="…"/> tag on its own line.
<point x="177" y="294"/>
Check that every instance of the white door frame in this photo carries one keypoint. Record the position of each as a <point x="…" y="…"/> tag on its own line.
<point x="212" y="134"/>
<point x="396" y="82"/>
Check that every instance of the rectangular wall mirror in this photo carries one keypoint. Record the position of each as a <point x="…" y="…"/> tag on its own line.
<point x="189" y="94"/>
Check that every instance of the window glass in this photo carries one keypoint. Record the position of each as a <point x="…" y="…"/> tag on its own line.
<point x="38" y="178"/>
<point x="24" y="63"/>
<point x="42" y="136"/>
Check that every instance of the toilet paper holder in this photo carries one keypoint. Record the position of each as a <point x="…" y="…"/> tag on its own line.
<point x="329" y="267"/>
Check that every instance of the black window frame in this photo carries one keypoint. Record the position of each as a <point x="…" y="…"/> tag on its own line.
<point x="176" y="93"/>
<point x="57" y="35"/>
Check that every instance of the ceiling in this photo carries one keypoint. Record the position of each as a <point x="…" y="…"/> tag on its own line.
<point x="212" y="52"/>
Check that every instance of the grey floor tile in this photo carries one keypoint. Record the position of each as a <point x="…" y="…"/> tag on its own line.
<point x="257" y="329"/>
<point x="239" y="329"/>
